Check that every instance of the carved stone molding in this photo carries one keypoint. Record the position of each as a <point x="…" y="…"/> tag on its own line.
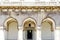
<point x="35" y="8"/>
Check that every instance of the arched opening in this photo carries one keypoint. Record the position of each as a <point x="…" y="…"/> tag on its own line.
<point x="47" y="29"/>
<point x="29" y="30"/>
<point x="11" y="26"/>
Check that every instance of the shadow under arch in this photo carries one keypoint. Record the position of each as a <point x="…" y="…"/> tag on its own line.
<point x="47" y="29"/>
<point x="11" y="27"/>
<point x="29" y="28"/>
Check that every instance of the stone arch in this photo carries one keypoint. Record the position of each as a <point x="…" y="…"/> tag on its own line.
<point x="8" y="21"/>
<point x="47" y="29"/>
<point x="50" y="21"/>
<point x="29" y="22"/>
<point x="29" y="28"/>
<point x="11" y="27"/>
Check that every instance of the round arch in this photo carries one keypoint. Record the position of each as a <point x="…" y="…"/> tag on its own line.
<point x="8" y="21"/>
<point x="29" y="22"/>
<point x="29" y="28"/>
<point x="50" y="21"/>
<point x="47" y="29"/>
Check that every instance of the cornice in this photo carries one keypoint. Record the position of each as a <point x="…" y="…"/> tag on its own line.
<point x="29" y="7"/>
<point x="33" y="8"/>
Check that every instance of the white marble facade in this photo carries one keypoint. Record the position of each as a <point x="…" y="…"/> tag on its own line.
<point x="47" y="25"/>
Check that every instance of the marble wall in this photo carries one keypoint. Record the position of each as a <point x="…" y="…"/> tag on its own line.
<point x="37" y="16"/>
